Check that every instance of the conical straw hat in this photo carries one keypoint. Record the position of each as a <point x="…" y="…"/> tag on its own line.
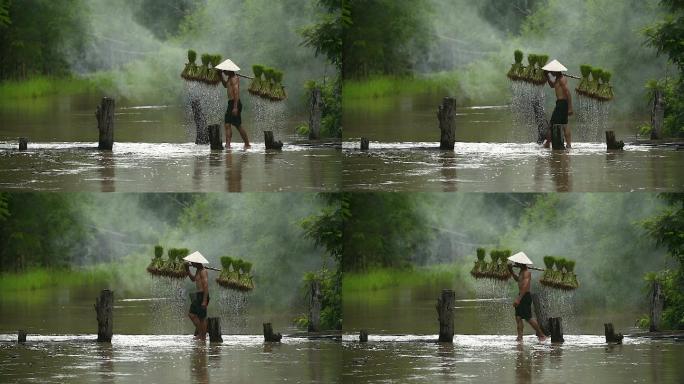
<point x="520" y="258"/>
<point x="554" y="66"/>
<point x="196" y="257"/>
<point x="228" y="65"/>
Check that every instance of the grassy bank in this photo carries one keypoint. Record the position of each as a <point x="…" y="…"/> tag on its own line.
<point x="42" y="86"/>
<point x="386" y="86"/>
<point x="384" y="278"/>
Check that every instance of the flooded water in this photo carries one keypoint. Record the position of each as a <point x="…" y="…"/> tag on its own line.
<point x="154" y="151"/>
<point x="493" y="153"/>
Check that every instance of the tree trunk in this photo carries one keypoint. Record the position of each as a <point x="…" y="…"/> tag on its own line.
<point x="446" y="113"/>
<point x="105" y="123"/>
<point x="270" y="142"/>
<point x="269" y="335"/>
<point x="21" y="336"/>
<point x="556" y="328"/>
<point x="23" y="143"/>
<point x="540" y="312"/>
<point x="315" y="306"/>
<point x="315" y="114"/>
<point x="365" y="144"/>
<point x="215" y="142"/>
<point x="103" y="308"/>
<point x="557" y="139"/>
<point x="657" y="115"/>
<point x="445" y="315"/>
<point x="611" y="336"/>
<point x="363" y="336"/>
<point x="201" y="133"/>
<point x="611" y="143"/>
<point x="656" y="310"/>
<point x="214" y="329"/>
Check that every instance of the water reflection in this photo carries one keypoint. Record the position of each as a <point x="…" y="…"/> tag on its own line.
<point x="448" y="171"/>
<point x="559" y="168"/>
<point x="106" y="165"/>
<point x="234" y="165"/>
<point x="199" y="370"/>
<point x="106" y="365"/>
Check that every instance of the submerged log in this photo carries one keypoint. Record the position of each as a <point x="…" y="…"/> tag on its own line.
<point x="103" y="308"/>
<point x="556" y="328"/>
<point x="540" y="313"/>
<point x="23" y="143"/>
<point x="21" y="336"/>
<point x="657" y="114"/>
<point x="315" y="105"/>
<point x="446" y="113"/>
<point x="315" y="297"/>
<point x="105" y="123"/>
<point x="656" y="308"/>
<point x="270" y="142"/>
<point x="557" y="139"/>
<point x="445" y="315"/>
<point x="215" y="142"/>
<point x="365" y="144"/>
<point x="611" y="336"/>
<point x="363" y="336"/>
<point x="214" y="329"/>
<point x="269" y="335"/>
<point x="201" y="132"/>
<point x="611" y="143"/>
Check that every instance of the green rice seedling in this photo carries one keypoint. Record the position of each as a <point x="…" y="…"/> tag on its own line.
<point x="213" y="75"/>
<point x="157" y="262"/>
<point x="246" y="283"/>
<point x="190" y="70"/>
<point x="585" y="69"/>
<point x="528" y="75"/>
<point x="516" y="70"/>
<point x="593" y="86"/>
<point x="279" y="88"/>
<point x="480" y="264"/>
<point x="605" y="90"/>
<point x="255" y="84"/>
<point x="224" y="277"/>
<point x="538" y="77"/>
<point x="548" y="263"/>
<point x="203" y="73"/>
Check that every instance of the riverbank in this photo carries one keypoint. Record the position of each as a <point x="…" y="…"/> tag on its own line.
<point x="42" y="86"/>
<point x="384" y="278"/>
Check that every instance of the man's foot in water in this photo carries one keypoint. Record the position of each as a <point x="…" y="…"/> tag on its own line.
<point x="518" y="339"/>
<point x="546" y="144"/>
<point x="247" y="146"/>
<point x="568" y="146"/>
<point x="541" y="338"/>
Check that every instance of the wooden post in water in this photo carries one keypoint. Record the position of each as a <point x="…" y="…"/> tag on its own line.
<point x="269" y="335"/>
<point x="214" y="329"/>
<point x="365" y="144"/>
<point x="657" y="114"/>
<point x="215" y="142"/>
<point x="105" y="123"/>
<point x="363" y="336"/>
<point x="21" y="336"/>
<point x="315" y="297"/>
<point x="445" y="315"/>
<point x="556" y="328"/>
<point x="446" y="113"/>
<point x="23" y="143"/>
<point x="540" y="313"/>
<point x="201" y="133"/>
<point x="557" y="139"/>
<point x="103" y="308"/>
<point x="315" y="114"/>
<point x="270" y="142"/>
<point x="611" y="143"/>
<point x="657" y="304"/>
<point x="611" y="336"/>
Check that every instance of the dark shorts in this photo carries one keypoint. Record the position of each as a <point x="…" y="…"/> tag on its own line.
<point x="232" y="119"/>
<point x="560" y="113"/>
<point x="196" y="307"/>
<point x="524" y="309"/>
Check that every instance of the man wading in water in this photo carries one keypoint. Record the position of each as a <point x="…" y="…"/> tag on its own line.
<point x="200" y="299"/>
<point x="234" y="111"/>
<point x="563" y="101"/>
<point x="523" y="303"/>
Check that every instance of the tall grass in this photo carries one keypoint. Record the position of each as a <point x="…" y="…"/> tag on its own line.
<point x="384" y="278"/>
<point x="41" y="86"/>
<point x="386" y="86"/>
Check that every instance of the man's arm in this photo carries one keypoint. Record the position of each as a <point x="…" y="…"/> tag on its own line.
<point x="510" y="269"/>
<point x="223" y="80"/>
<point x="568" y="95"/>
<point x="548" y="79"/>
<point x="190" y="275"/>
<point x="205" y="287"/>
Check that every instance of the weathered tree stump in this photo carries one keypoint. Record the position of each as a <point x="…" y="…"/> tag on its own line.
<point x="103" y="308"/>
<point x="269" y="335"/>
<point x="540" y="313"/>
<point x="201" y="130"/>
<point x="611" y="336"/>
<point x="611" y="143"/>
<point x="656" y="307"/>
<point x="270" y="142"/>
<point x="446" y="113"/>
<point x="445" y="315"/>
<point x="657" y="114"/>
<point x="363" y="336"/>
<point x="365" y="144"/>
<point x="105" y="123"/>
<point x="315" y="107"/>
<point x="21" y="336"/>
<point x="215" y="142"/>
<point x="556" y="329"/>
<point x="315" y="297"/>
<point x="557" y="139"/>
<point x="214" y="329"/>
<point x="23" y="143"/>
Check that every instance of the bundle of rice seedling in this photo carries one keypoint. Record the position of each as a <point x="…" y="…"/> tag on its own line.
<point x="278" y="89"/>
<point x="592" y="87"/>
<point x="174" y="267"/>
<point x="517" y="68"/>
<point x="157" y="263"/>
<point x="496" y="269"/>
<point x="538" y="77"/>
<point x="583" y="86"/>
<point x="245" y="277"/>
<point x="214" y="75"/>
<point x="562" y="277"/>
<point x="480" y="264"/>
<point x="191" y="69"/>
<point x="228" y="277"/>
<point x="528" y="75"/>
<point x="605" y="90"/>
<point x="255" y="84"/>
<point x="203" y="73"/>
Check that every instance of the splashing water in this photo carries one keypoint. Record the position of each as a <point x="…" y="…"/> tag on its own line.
<point x="268" y="115"/>
<point x="232" y="306"/>
<point x="559" y="303"/>
<point x="527" y="107"/>
<point x="592" y="117"/>
<point x="170" y="313"/>
<point x="211" y="101"/>
<point x="497" y="310"/>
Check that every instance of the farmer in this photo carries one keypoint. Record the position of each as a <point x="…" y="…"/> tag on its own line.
<point x="523" y="303"/>
<point x="563" y="101"/>
<point x="234" y="111"/>
<point x="200" y="300"/>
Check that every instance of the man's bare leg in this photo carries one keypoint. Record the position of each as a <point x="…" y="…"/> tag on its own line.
<point x="203" y="329"/>
<point x="229" y="134"/>
<point x="537" y="329"/>
<point x="519" y="328"/>
<point x="196" y="321"/>
<point x="243" y="134"/>
<point x="568" y="136"/>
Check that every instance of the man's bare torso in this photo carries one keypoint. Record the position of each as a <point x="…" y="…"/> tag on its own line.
<point x="559" y="87"/>
<point x="201" y="280"/>
<point x="233" y="87"/>
<point x="524" y="276"/>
